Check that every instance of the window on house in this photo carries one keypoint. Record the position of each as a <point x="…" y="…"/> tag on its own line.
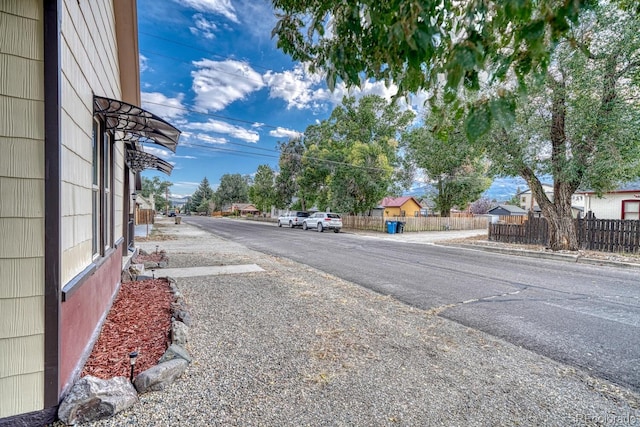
<point x="403" y="213"/>
<point x="631" y="209"/>
<point x="101" y="186"/>
<point x="95" y="189"/>
<point x="107" y="196"/>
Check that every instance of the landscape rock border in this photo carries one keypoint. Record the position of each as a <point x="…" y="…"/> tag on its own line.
<point x="92" y="399"/>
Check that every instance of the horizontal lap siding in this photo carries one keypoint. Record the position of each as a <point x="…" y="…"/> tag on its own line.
<point x="22" y="207"/>
<point x="89" y="65"/>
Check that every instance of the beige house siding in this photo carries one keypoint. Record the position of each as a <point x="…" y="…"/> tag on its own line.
<point x="528" y="202"/>
<point x="609" y="206"/>
<point x="22" y="207"/>
<point x="89" y="65"/>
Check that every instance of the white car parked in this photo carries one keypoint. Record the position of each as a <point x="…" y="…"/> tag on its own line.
<point x="322" y="221"/>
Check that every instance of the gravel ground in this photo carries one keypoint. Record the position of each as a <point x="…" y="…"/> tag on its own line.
<point x="293" y="346"/>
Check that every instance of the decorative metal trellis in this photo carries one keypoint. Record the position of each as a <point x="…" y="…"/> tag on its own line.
<point x="136" y="126"/>
<point x="139" y="161"/>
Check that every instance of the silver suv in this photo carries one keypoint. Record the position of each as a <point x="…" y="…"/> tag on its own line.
<point x="322" y="221"/>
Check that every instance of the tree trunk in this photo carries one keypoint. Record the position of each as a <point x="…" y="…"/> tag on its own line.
<point x="562" y="229"/>
<point x="562" y="233"/>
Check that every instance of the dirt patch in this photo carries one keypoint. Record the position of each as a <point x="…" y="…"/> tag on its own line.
<point x="139" y="320"/>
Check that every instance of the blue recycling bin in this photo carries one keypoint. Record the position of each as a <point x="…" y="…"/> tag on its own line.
<point x="391" y="227"/>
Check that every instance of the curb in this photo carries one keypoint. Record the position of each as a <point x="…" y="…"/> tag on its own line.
<point x="544" y="255"/>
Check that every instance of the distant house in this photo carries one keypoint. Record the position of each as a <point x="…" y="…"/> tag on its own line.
<point x="241" y="208"/>
<point x="507" y="210"/>
<point x="398" y="207"/>
<point x="245" y="209"/>
<point x="623" y="203"/>
<point x="145" y="202"/>
<point x="529" y="203"/>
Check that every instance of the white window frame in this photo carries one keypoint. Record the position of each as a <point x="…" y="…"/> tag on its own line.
<point x="102" y="206"/>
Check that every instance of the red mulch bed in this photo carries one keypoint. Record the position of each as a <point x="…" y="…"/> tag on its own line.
<point x="153" y="256"/>
<point x="139" y="320"/>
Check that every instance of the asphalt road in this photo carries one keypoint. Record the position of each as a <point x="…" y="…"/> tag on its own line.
<point x="583" y="315"/>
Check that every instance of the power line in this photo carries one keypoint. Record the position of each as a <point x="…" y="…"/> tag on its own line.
<point x="217" y="116"/>
<point x="217" y="71"/>
<point x="317" y="159"/>
<point x="197" y="48"/>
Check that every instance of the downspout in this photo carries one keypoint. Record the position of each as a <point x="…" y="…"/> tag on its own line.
<point x="52" y="213"/>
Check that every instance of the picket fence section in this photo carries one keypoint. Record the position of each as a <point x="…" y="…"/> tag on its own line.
<point x="373" y="223"/>
<point x="606" y="235"/>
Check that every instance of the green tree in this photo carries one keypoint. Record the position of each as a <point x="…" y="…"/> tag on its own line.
<point x="418" y="44"/>
<point x="515" y="200"/>
<point x="290" y="166"/>
<point x="158" y="189"/>
<point x="262" y="192"/>
<point x="457" y="169"/>
<point x="233" y="188"/>
<point x="350" y="160"/>
<point x="202" y="197"/>
<point x="580" y="124"/>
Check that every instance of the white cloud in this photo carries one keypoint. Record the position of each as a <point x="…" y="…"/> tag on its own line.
<point x="143" y="63"/>
<point x="217" y="7"/>
<point x="163" y="106"/>
<point x="203" y="27"/>
<point x="295" y="87"/>
<point x="207" y="138"/>
<point x="285" y="133"/>
<point x="258" y="18"/>
<point x="219" y="83"/>
<point x="218" y="126"/>
<point x="367" y="88"/>
<point x="158" y="152"/>
<point x="301" y="89"/>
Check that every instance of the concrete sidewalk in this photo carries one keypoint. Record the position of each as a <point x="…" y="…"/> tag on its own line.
<point x="289" y="345"/>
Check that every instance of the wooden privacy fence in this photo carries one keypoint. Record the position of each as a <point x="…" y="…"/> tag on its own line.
<point x="431" y="223"/>
<point x="607" y="235"/>
<point x="533" y="231"/>
<point x="145" y="216"/>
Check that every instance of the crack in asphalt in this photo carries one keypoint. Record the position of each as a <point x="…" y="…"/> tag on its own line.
<point x="437" y="310"/>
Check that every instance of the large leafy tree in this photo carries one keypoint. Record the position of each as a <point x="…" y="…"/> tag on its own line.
<point x="290" y="166"/>
<point x="262" y="192"/>
<point x="158" y="189"/>
<point x="420" y="44"/>
<point x="350" y="160"/>
<point x="202" y="197"/>
<point x="233" y="188"/>
<point x="580" y="124"/>
<point x="456" y="168"/>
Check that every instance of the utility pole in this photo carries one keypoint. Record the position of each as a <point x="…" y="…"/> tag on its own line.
<point x="166" y="200"/>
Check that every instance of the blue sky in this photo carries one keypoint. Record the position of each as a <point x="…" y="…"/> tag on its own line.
<point x="211" y="68"/>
